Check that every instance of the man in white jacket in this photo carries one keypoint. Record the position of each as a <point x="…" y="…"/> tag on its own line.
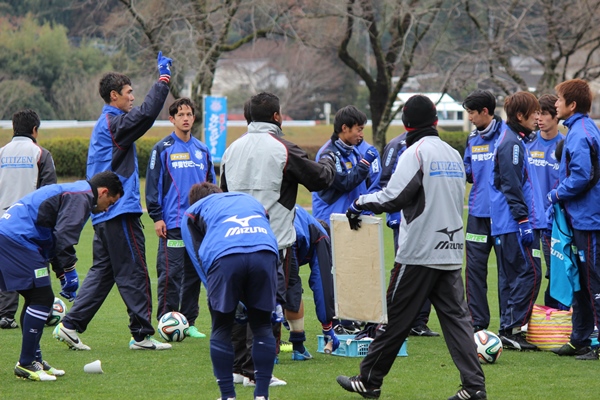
<point x="428" y="186"/>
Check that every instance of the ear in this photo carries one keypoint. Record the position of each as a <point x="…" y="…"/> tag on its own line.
<point x="520" y="117"/>
<point x="102" y="191"/>
<point x="114" y="95"/>
<point x="171" y="119"/>
<point x="572" y="106"/>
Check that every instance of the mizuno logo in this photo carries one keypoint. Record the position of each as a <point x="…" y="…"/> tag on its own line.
<point x="554" y="241"/>
<point x="449" y="233"/>
<point x="242" y="221"/>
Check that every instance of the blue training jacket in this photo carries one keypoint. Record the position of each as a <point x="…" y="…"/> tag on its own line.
<point x="512" y="186"/>
<point x="112" y="148"/>
<point x="391" y="153"/>
<point x="375" y="171"/>
<point x="579" y="172"/>
<point x="222" y="224"/>
<point x="50" y="220"/>
<point x="544" y="163"/>
<point x="313" y="247"/>
<point x="351" y="180"/>
<point x="173" y="168"/>
<point x="479" y="163"/>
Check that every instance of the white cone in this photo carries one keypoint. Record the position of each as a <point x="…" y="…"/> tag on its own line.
<point x="93" y="368"/>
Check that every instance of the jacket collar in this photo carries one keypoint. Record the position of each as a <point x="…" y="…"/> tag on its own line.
<point x="265" y="127"/>
<point x="572" y="119"/>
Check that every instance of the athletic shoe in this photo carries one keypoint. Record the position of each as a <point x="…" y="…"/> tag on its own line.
<point x="33" y="372"/>
<point x="516" y="342"/>
<point x="464" y="394"/>
<point x="192" y="331"/>
<point x="274" y="382"/>
<point x="592" y="355"/>
<point x="8" y="323"/>
<point x="568" y="349"/>
<point x="355" y="385"/>
<point x="422" y="330"/>
<point x="51" y="370"/>
<point x="297" y="356"/>
<point x="285" y="347"/>
<point x="477" y="328"/>
<point x="149" y="343"/>
<point x="260" y="398"/>
<point x="69" y="336"/>
<point x="229" y="398"/>
<point x="238" y="378"/>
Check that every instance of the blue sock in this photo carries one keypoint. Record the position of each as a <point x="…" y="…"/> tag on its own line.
<point x="263" y="355"/>
<point x="297" y="339"/>
<point x="221" y="354"/>
<point x="33" y="326"/>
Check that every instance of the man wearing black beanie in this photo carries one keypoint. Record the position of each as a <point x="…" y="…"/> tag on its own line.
<point x="428" y="185"/>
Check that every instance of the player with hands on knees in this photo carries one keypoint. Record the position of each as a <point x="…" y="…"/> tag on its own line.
<point x="27" y="245"/>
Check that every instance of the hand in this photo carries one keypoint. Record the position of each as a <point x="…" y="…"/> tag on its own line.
<point x="277" y="315"/>
<point x="70" y="282"/>
<point x="329" y="335"/>
<point x="526" y="233"/>
<point x="353" y="215"/>
<point x="161" y="229"/>
<point x="393" y="224"/>
<point x="164" y="67"/>
<point x="241" y="314"/>
<point x="370" y="155"/>
<point x="553" y="196"/>
<point x="69" y="295"/>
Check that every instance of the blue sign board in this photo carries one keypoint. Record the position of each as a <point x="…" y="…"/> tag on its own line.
<point x="215" y="126"/>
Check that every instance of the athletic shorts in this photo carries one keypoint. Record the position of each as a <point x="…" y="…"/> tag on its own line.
<point x="21" y="268"/>
<point x="293" y="283"/>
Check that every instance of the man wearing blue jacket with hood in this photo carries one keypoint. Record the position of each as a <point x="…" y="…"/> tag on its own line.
<point x="579" y="192"/>
<point x="119" y="243"/>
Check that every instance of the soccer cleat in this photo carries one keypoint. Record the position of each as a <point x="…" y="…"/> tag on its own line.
<point x="464" y="394"/>
<point x="8" y="323"/>
<point x="354" y="384"/>
<point x="285" y="347"/>
<point x="69" y="336"/>
<point x="568" y="349"/>
<point x="516" y="342"/>
<point x="229" y="398"/>
<point x="297" y="356"/>
<point x="274" y="382"/>
<point x="260" y="398"/>
<point x="148" y="343"/>
<point x="51" y="370"/>
<point x="238" y="378"/>
<point x="422" y="330"/>
<point x="193" y="332"/>
<point x="33" y="372"/>
<point x="591" y="355"/>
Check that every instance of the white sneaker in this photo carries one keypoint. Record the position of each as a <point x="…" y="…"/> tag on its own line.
<point x="238" y="378"/>
<point x="274" y="382"/>
<point x="69" y="336"/>
<point x="260" y="398"/>
<point x="149" y="343"/>
<point x="33" y="372"/>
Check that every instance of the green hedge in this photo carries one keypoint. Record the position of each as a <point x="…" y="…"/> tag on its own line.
<point x="70" y="154"/>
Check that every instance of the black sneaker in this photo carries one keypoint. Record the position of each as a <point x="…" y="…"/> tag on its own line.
<point x="568" y="349"/>
<point x="8" y="323"/>
<point x="591" y="355"/>
<point x="422" y="330"/>
<point x="355" y="385"/>
<point x="464" y="394"/>
<point x="516" y="342"/>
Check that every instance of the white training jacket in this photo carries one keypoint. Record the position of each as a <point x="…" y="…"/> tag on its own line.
<point x="428" y="185"/>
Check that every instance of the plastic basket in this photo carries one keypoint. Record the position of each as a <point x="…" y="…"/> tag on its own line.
<point x="350" y="347"/>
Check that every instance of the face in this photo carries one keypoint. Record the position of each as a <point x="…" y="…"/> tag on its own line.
<point x="183" y="120"/>
<point x="528" y="122"/>
<point x="352" y="136"/>
<point x="480" y="119"/>
<point x="546" y="122"/>
<point x="104" y="201"/>
<point x="124" y="100"/>
<point x="564" y="110"/>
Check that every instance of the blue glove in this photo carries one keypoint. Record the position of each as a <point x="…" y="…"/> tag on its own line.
<point x="330" y="335"/>
<point x="277" y="315"/>
<point x="164" y="67"/>
<point x="553" y="196"/>
<point x="241" y="314"/>
<point x="393" y="223"/>
<point x="526" y="233"/>
<point x="353" y="215"/>
<point x="70" y="281"/>
<point x="370" y="155"/>
<point x="69" y="295"/>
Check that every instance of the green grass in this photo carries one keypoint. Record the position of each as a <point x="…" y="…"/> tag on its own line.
<point x="186" y="372"/>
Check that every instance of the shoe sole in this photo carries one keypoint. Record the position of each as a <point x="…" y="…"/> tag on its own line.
<point x="30" y="376"/>
<point x="68" y="340"/>
<point x="352" y="390"/>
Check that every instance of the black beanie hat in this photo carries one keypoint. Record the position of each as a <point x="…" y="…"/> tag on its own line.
<point x="419" y="112"/>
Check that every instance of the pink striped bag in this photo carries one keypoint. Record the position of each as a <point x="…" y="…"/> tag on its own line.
<point x="548" y="327"/>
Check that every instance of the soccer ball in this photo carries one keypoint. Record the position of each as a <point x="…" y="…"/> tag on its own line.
<point x="173" y="326"/>
<point x="58" y="312"/>
<point x="489" y="346"/>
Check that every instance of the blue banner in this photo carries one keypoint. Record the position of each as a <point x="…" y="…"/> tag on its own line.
<point x="215" y="126"/>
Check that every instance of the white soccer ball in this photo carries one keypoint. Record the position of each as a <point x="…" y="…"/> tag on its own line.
<point x="489" y="346"/>
<point x="58" y="312"/>
<point x="173" y="326"/>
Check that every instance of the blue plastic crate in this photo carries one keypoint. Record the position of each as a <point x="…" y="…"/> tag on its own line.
<point x="350" y="347"/>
